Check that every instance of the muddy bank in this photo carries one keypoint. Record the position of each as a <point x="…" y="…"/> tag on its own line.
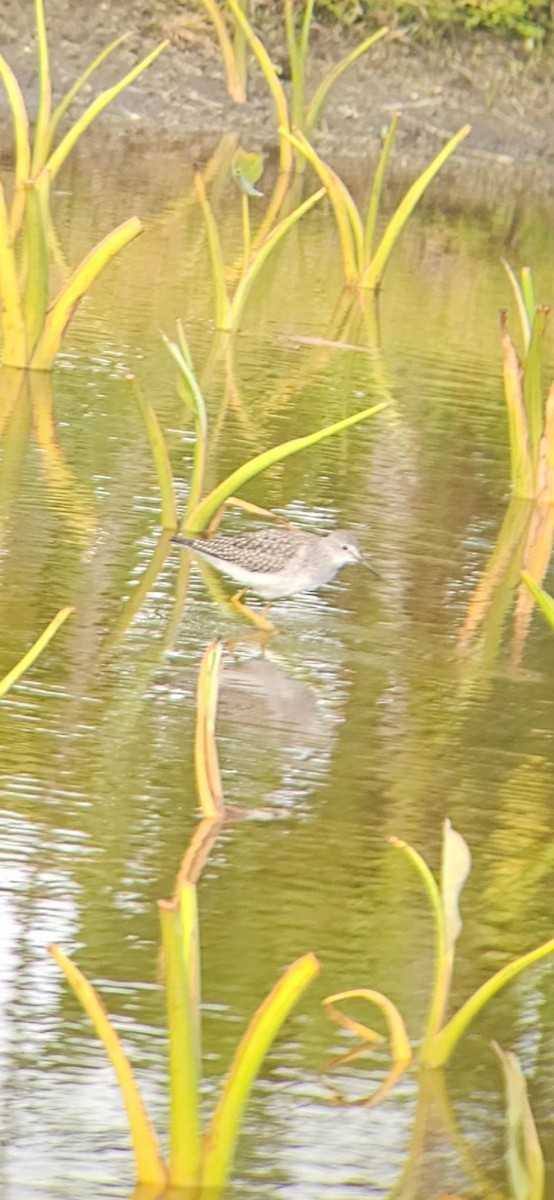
<point x="506" y="94"/>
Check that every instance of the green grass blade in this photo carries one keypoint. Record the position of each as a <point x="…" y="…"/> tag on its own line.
<point x="236" y="82"/>
<point x="22" y="144"/>
<point x="532" y="385"/>
<point x="28" y="659"/>
<point x="13" y="324"/>
<point x="305" y="30"/>
<point x="544" y="601"/>
<point x="528" y="293"/>
<point x="373" y="273"/>
<point x="150" y="1167"/>
<point x="443" y="1045"/>
<point x="63" y="307"/>
<point x="45" y="93"/>
<point x="191" y="387"/>
<point x="240" y="296"/>
<point x="441" y="980"/>
<point x="59" y="155"/>
<point x="161" y="460"/>
<point x="521" y="466"/>
<point x="261" y="1033"/>
<point x="35" y="301"/>
<point x="67" y="100"/>
<point x="524" y="1154"/>
<point x="296" y="65"/>
<point x="222" y="304"/>
<point x="319" y="97"/>
<point x="348" y="219"/>
<point x="272" y="80"/>
<point x="207" y="508"/>
<point x="377" y="188"/>
<point x="185" y="1142"/>
<point x="525" y="319"/>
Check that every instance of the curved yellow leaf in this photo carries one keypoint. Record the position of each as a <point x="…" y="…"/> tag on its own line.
<point x="202" y="514"/>
<point x="150" y="1167"/>
<point x="28" y="659"/>
<point x="61" y="311"/>
<point x="225" y="1124"/>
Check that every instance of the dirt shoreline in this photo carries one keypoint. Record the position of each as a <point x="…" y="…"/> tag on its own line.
<point x="506" y="94"/>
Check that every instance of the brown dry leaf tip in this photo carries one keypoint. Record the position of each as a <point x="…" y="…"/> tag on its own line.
<point x="399" y="843"/>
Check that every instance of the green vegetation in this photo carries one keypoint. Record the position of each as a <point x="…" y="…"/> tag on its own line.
<point x="199" y="1163"/>
<point x="364" y="263"/>
<point x="228" y="310"/>
<point x="205" y="511"/>
<point x="34" y="322"/>
<point x="305" y="115"/>
<point x="519" y="17"/>
<point x="441" y="1036"/>
<point x="530" y="416"/>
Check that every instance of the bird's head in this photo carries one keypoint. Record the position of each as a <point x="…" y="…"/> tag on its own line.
<point x="347" y="549"/>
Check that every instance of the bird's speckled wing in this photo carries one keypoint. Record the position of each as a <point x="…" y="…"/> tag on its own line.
<point x="264" y="551"/>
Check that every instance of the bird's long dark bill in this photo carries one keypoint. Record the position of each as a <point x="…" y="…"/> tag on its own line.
<point x="369" y="568"/>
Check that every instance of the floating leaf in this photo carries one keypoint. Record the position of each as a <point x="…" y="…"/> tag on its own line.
<point x="246" y="169"/>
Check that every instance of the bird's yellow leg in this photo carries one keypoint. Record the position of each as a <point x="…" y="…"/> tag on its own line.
<point x="245" y="506"/>
<point x="260" y="620"/>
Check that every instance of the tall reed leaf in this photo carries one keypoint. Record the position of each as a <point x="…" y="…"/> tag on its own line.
<point x="150" y="1167"/>
<point x="313" y="111"/>
<point x="22" y="144"/>
<point x="14" y="342"/>
<point x="45" y="92"/>
<point x="266" y="248"/>
<point x="270" y="75"/>
<point x="440" y="985"/>
<point x="532" y="384"/>
<point x="63" y="307"/>
<point x="29" y="658"/>
<point x="233" y="62"/>
<point x="161" y="460"/>
<point x="526" y="318"/>
<point x="64" y="148"/>
<point x="348" y="219"/>
<point x="261" y="1033"/>
<point x="77" y="87"/>
<point x="373" y="273"/>
<point x="377" y="188"/>
<point x="207" y="508"/>
<point x="185" y="1141"/>
<point x="223" y="314"/>
<point x="444" y="1044"/>
<point x="521" y="465"/>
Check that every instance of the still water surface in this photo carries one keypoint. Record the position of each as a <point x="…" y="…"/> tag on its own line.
<point x="364" y="720"/>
